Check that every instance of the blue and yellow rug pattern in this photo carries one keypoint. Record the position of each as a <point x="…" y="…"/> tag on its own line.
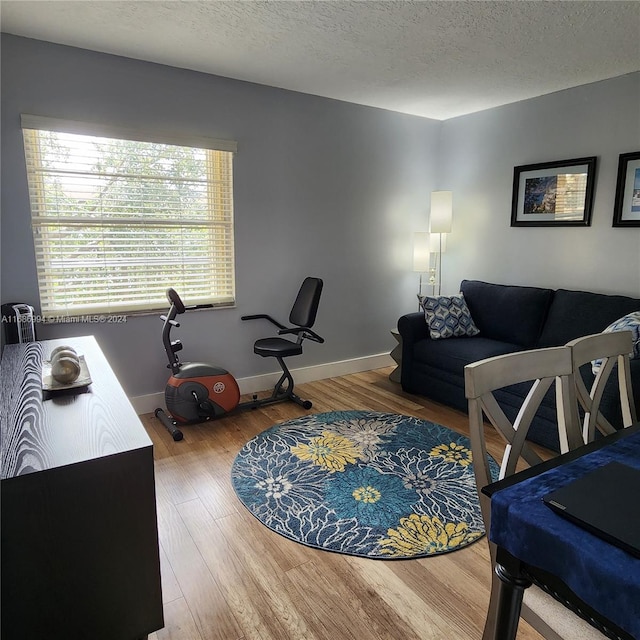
<point x="362" y="483"/>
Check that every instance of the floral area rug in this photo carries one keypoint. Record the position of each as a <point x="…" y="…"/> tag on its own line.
<point x="363" y="483"/>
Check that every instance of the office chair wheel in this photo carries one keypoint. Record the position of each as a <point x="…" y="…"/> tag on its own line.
<point x="307" y="404"/>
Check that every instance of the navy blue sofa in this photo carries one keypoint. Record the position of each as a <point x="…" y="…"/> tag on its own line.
<point x="512" y="318"/>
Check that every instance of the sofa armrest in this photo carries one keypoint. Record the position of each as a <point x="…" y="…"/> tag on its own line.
<point x="412" y="327"/>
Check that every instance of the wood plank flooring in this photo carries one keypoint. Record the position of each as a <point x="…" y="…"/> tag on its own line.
<point x="225" y="576"/>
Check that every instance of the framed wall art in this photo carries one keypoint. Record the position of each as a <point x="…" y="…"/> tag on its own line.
<point x="553" y="194"/>
<point x="626" y="210"/>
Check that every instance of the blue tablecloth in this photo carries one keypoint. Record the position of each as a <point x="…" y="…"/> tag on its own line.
<point x="605" y="577"/>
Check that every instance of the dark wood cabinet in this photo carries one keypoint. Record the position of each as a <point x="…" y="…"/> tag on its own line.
<point x="79" y="537"/>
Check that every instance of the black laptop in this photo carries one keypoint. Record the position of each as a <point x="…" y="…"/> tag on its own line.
<point x="606" y="502"/>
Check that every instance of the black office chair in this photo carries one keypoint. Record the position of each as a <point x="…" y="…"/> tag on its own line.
<point x="303" y="316"/>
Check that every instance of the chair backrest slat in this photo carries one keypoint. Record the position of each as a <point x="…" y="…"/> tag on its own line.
<point x="483" y="378"/>
<point x="611" y="348"/>
<point x="541" y="367"/>
<point x="512" y="368"/>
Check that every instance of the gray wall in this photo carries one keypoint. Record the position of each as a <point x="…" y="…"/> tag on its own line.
<point x="329" y="189"/>
<point x="322" y="188"/>
<point x="478" y="153"/>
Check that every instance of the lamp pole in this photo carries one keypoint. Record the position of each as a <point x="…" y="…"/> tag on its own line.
<point x="440" y="220"/>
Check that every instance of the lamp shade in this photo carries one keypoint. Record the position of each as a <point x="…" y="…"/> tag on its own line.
<point x="441" y="212"/>
<point x="421" y="257"/>
<point x="438" y="242"/>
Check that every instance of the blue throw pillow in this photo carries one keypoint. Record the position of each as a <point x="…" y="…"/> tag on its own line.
<point x="448" y="317"/>
<point x="630" y="322"/>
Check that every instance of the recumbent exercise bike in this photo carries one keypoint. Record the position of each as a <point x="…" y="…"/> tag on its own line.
<point x="197" y="392"/>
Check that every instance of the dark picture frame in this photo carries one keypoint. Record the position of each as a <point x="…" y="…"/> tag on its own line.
<point x="626" y="209"/>
<point x="554" y="194"/>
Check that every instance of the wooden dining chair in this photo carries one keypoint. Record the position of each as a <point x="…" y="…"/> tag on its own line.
<point x="542" y="368"/>
<point x="610" y="349"/>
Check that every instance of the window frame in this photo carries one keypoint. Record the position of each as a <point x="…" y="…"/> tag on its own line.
<point x="220" y="219"/>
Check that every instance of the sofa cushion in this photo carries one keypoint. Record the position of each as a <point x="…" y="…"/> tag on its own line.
<point x="441" y="386"/>
<point x="510" y="314"/>
<point x="574" y="314"/>
<point x="448" y="317"/>
<point x="454" y="355"/>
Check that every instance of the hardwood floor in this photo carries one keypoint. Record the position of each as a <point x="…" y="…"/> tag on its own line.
<point x="225" y="576"/>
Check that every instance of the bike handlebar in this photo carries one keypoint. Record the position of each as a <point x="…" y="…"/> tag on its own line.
<point x="174" y="298"/>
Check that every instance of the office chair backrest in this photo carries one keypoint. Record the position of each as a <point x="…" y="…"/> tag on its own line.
<point x="304" y="310"/>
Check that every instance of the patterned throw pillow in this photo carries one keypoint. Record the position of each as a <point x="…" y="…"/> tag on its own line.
<point x="630" y="322"/>
<point x="448" y="317"/>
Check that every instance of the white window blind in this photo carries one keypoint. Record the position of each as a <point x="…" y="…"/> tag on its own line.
<point x="119" y="216"/>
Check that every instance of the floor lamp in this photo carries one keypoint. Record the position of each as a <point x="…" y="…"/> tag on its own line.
<point x="438" y="246"/>
<point x="421" y="257"/>
<point x="440" y="221"/>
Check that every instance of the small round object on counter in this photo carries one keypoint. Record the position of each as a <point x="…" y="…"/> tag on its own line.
<point x="65" y="370"/>
<point x="65" y="350"/>
<point x="65" y="354"/>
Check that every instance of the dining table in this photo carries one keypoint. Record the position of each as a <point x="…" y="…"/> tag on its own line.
<point x="590" y="575"/>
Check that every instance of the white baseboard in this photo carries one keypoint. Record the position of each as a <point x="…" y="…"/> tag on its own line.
<point x="150" y="402"/>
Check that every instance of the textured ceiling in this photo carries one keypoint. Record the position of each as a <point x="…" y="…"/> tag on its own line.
<point x="430" y="58"/>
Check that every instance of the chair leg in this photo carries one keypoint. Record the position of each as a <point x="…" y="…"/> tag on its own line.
<point x="505" y="601"/>
<point x="280" y="392"/>
<point x="288" y="393"/>
<point x="505" y="605"/>
<point x="286" y="377"/>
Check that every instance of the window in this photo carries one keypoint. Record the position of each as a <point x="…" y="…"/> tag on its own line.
<point x="119" y="216"/>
